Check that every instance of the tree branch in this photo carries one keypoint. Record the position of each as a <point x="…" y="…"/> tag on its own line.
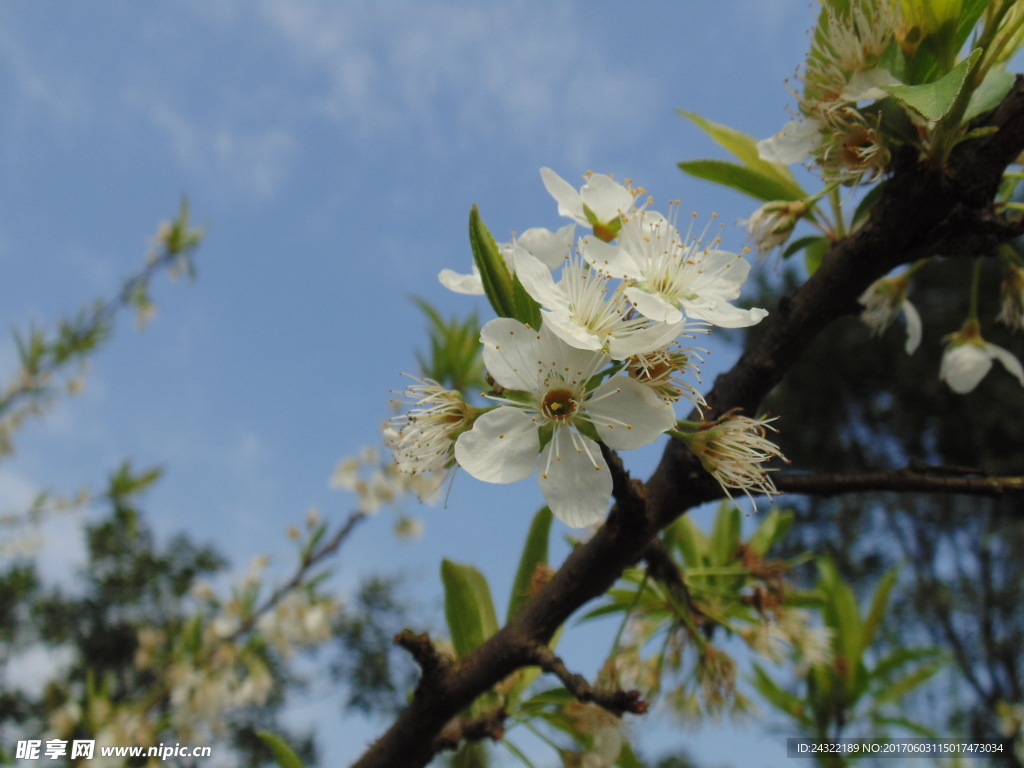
<point x="490" y="726"/>
<point x="901" y="481"/>
<point x="923" y="210"/>
<point x="616" y="702"/>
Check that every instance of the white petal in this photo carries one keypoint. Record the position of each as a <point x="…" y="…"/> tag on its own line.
<point x="964" y="366"/>
<point x="863" y="86"/>
<point x="1009" y="361"/>
<point x="722" y="274"/>
<point x="653" y="306"/>
<point x="510" y="353"/>
<point x="571" y="332"/>
<point x="628" y="415"/>
<point x="550" y="247"/>
<point x="569" y="361"/>
<point x="574" y="479"/>
<point x="725" y="315"/>
<point x="610" y="259"/>
<point x="569" y="202"/>
<point x="644" y="341"/>
<point x="538" y="282"/>
<point x="913" y="326"/>
<point x="468" y="284"/>
<point x="796" y="140"/>
<point x="501" y="447"/>
<point x="605" y="197"/>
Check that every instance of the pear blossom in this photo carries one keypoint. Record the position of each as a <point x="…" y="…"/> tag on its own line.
<point x="548" y="406"/>
<point x="662" y="370"/>
<point x="732" y="449"/>
<point x="883" y="300"/>
<point x="601" y="203"/>
<point x="772" y="224"/>
<point x="795" y="142"/>
<point x="968" y="358"/>
<point x="1012" y="310"/>
<point x="580" y="311"/>
<point x="550" y="247"/>
<point x="424" y="437"/>
<point x="669" y="277"/>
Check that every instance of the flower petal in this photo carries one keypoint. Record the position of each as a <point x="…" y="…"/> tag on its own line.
<point x="538" y="282"/>
<point x="572" y="364"/>
<point x="574" y="479"/>
<point x="501" y="447"/>
<point x="644" y="341"/>
<point x="796" y="140"/>
<point x="609" y="259"/>
<point x="605" y="197"/>
<point x="572" y="333"/>
<point x="569" y="202"/>
<point x="725" y="315"/>
<point x="1009" y="361"/>
<point x="627" y="414"/>
<point x="510" y="353"/>
<point x="468" y="284"/>
<point x="653" y="306"/>
<point x="913" y="326"/>
<point x="864" y="86"/>
<point x="963" y="366"/>
<point x="550" y="247"/>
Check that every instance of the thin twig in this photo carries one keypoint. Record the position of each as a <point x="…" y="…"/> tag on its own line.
<point x="616" y="702"/>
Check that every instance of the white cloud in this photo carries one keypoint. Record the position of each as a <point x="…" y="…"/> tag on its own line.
<point x="527" y="71"/>
<point x="62" y="97"/>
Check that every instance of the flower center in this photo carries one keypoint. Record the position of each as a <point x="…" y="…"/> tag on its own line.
<point x="558" y="404"/>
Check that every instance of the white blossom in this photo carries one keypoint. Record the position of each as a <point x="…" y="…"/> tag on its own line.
<point x="424" y="436"/>
<point x="968" y="358"/>
<point x="883" y="300"/>
<point x="547" y="395"/>
<point x="795" y="142"/>
<point x="600" y="204"/>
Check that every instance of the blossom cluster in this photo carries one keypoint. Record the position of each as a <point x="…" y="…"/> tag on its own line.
<point x="600" y="365"/>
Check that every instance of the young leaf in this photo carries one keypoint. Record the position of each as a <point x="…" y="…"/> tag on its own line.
<point x="746" y="180"/>
<point x="800" y="243"/>
<point x="527" y="310"/>
<point x="467" y="607"/>
<point x="867" y="203"/>
<point x="535" y="552"/>
<point x="933" y="100"/>
<point x="283" y="754"/>
<point x="879" y="605"/>
<point x="815" y="254"/>
<point x="990" y="93"/>
<point x="494" y="272"/>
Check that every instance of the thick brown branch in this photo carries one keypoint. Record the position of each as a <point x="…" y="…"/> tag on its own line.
<point x="923" y="211"/>
<point x="432" y="661"/>
<point x="616" y="702"/>
<point x="902" y="480"/>
<point x="490" y="726"/>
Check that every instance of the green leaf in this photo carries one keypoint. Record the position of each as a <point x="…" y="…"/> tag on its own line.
<point x="990" y="93"/>
<point x="690" y="540"/>
<point x="628" y="758"/>
<point x="879" y="605"/>
<point x="283" y="754"/>
<point x="868" y="202"/>
<point x="771" y="528"/>
<point x="893" y="693"/>
<point x="778" y="697"/>
<point x="535" y="552"/>
<point x="467" y="607"/>
<point x="725" y="534"/>
<point x="800" y="243"/>
<point x="754" y="183"/>
<point x="815" y="254"/>
<point x="744" y="147"/>
<point x="933" y="100"/>
<point x="970" y="12"/>
<point x="494" y="273"/>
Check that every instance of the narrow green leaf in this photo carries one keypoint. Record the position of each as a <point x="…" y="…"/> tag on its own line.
<point x="799" y="244"/>
<point x="467" y="606"/>
<point x="970" y="12"/>
<point x="868" y="202"/>
<point x="879" y="605"/>
<point x="725" y="534"/>
<point x="893" y="693"/>
<point x="990" y="93"/>
<point x="283" y="754"/>
<point x="771" y="529"/>
<point x="691" y="541"/>
<point x="933" y="100"/>
<point x="535" y="552"/>
<point x="778" y="697"/>
<point x="744" y="147"/>
<point x="815" y="254"/>
<point x="494" y="273"/>
<point x="746" y="180"/>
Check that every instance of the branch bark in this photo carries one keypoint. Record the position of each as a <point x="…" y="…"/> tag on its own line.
<point x="901" y="481"/>
<point x="922" y="211"/>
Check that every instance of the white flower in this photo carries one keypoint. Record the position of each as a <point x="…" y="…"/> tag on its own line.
<point x="549" y="397"/>
<point x="550" y="247"/>
<point x="424" y="437"/>
<point x="797" y="141"/>
<point x="580" y="311"/>
<point x="1012" y="310"/>
<point x="968" y="357"/>
<point x="883" y="300"/>
<point x="773" y="223"/>
<point x="866" y="86"/>
<point x="669" y="277"/>
<point x="732" y="449"/>
<point x="600" y="203"/>
<point x="662" y="370"/>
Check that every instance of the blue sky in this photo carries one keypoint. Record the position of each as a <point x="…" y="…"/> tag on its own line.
<point x="334" y="151"/>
